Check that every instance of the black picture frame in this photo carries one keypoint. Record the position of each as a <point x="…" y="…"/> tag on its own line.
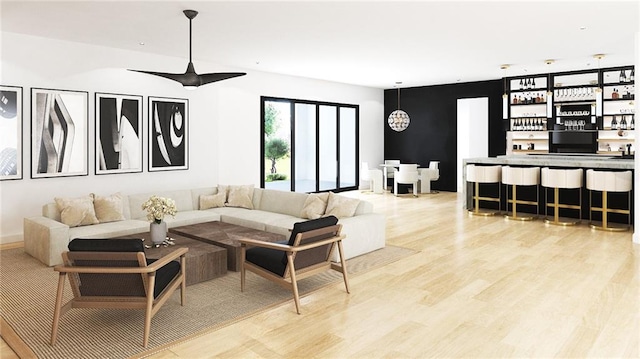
<point x="59" y="133"/>
<point x="168" y="134"/>
<point x="119" y="133"/>
<point x="11" y="132"/>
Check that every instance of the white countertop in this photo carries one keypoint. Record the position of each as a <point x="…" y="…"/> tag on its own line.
<point x="558" y="160"/>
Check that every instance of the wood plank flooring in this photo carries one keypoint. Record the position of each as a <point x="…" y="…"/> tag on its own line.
<point x="477" y="287"/>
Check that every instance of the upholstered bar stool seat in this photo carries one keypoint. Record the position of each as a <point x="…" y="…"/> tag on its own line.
<point x="609" y="181"/>
<point x="520" y="176"/>
<point x="484" y="174"/>
<point x="561" y="179"/>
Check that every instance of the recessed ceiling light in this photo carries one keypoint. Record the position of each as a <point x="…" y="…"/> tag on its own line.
<point x="141" y="43"/>
<point x="583" y="27"/>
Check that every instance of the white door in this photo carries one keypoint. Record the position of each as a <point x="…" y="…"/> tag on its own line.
<point x="473" y="131"/>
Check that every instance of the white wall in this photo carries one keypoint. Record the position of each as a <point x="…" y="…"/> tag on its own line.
<point x="224" y="119"/>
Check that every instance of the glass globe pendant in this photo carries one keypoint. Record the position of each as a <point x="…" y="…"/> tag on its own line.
<point x="398" y="120"/>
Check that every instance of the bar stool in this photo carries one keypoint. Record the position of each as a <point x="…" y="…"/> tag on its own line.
<point x="608" y="181"/>
<point x="521" y="176"/>
<point x="484" y="174"/>
<point x="561" y="179"/>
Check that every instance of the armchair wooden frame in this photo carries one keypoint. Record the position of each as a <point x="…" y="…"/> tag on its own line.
<point x="303" y="242"/>
<point x="141" y="297"/>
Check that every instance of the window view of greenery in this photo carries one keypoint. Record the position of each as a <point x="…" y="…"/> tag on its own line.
<point x="277" y="145"/>
<point x="309" y="146"/>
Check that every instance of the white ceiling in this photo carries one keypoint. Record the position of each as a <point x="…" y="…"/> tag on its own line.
<point x="368" y="43"/>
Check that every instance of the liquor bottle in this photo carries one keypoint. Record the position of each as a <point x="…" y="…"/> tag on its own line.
<point x="615" y="95"/>
<point x="633" y="75"/>
<point x="614" y="123"/>
<point x="623" y="76"/>
<point x="632" y="124"/>
<point x="533" y="83"/>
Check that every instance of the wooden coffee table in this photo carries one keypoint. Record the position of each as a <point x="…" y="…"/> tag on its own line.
<point x="225" y="235"/>
<point x="204" y="261"/>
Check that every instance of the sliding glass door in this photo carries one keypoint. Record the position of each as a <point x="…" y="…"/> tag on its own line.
<point x="309" y="146"/>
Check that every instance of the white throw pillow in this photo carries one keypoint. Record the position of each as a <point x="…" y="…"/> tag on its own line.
<point x="213" y="200"/>
<point x="341" y="206"/>
<point x="240" y="196"/>
<point x="314" y="205"/>
<point x="109" y="208"/>
<point x="76" y="212"/>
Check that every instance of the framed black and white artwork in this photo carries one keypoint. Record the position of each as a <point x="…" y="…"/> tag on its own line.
<point x="10" y="132"/>
<point x="118" y="133"/>
<point x="168" y="134"/>
<point x="59" y="133"/>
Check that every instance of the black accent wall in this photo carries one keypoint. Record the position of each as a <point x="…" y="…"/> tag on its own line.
<point x="432" y="133"/>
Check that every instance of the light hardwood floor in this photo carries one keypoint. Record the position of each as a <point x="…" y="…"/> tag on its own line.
<point x="476" y="287"/>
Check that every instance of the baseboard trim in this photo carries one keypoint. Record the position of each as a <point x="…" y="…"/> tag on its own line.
<point x="11" y="245"/>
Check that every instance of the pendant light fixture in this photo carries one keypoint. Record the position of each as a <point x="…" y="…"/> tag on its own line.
<point x="398" y="119"/>
<point x="505" y="97"/>
<point x="598" y="92"/>
<point x="549" y="89"/>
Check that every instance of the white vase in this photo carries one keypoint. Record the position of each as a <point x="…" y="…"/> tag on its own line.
<point x="158" y="232"/>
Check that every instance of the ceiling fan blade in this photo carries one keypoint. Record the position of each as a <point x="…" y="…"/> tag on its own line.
<point x="174" y="77"/>
<point x="219" y="76"/>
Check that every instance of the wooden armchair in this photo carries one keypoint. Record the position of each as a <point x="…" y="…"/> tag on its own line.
<point x="118" y="275"/>
<point x="307" y="252"/>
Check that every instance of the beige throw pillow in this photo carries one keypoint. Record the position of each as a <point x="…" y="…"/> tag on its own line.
<point x="240" y="196"/>
<point x="341" y="206"/>
<point x="213" y="200"/>
<point x="76" y="212"/>
<point x="314" y="205"/>
<point x="108" y="209"/>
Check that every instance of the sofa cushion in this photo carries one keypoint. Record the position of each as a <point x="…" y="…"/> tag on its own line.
<point x="240" y="196"/>
<point x="108" y="208"/>
<point x="283" y="202"/>
<point x="76" y="212"/>
<point x="341" y="206"/>
<point x="182" y="198"/>
<point x="190" y="217"/>
<point x="315" y="205"/>
<point x="110" y="229"/>
<point x="212" y="200"/>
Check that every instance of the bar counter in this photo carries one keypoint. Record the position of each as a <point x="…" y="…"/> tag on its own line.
<point x="556" y="160"/>
<point x="584" y="161"/>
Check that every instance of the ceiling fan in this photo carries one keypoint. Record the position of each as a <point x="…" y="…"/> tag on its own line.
<point x="190" y="79"/>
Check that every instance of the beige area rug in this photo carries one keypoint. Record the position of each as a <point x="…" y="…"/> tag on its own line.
<point x="27" y="299"/>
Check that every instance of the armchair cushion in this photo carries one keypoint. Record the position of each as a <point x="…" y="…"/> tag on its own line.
<point x="164" y="275"/>
<point x="268" y="258"/>
<point x="106" y="245"/>
<point x="310" y="225"/>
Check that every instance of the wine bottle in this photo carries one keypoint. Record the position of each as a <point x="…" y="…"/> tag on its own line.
<point x="614" y="123"/>
<point x="623" y="124"/>
<point x="632" y="124"/>
<point x="533" y="83"/>
<point x="633" y="75"/>
<point x="623" y="76"/>
<point x="521" y="85"/>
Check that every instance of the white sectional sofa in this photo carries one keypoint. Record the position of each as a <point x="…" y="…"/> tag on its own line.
<point x="46" y="237"/>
